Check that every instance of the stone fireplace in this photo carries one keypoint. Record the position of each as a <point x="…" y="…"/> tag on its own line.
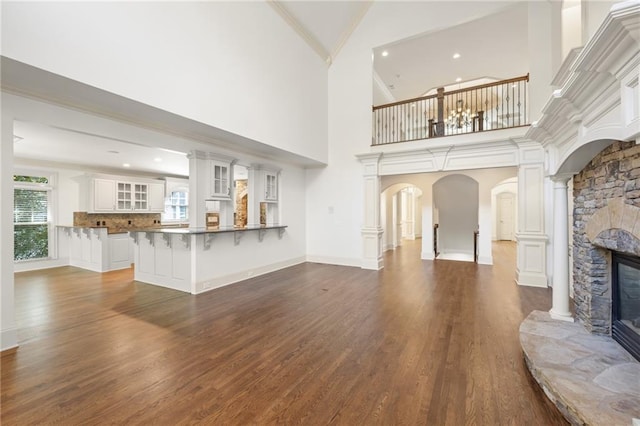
<point x="606" y="222"/>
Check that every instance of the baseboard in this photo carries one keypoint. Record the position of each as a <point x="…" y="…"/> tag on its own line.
<point x="35" y="265"/>
<point x="427" y="255"/>
<point x="372" y="264"/>
<point x="531" y="279"/>
<point x="8" y="339"/>
<point x="339" y="261"/>
<point x="218" y="282"/>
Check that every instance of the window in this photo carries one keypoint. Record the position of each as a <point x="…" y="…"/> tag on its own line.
<point x="31" y="217"/>
<point x="176" y="206"/>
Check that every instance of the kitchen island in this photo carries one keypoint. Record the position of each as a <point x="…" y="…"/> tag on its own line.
<point x="194" y="260"/>
<point x="97" y="248"/>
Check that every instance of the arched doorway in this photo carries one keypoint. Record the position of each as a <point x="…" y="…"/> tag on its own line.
<point x="504" y="208"/>
<point x="400" y="214"/>
<point x="455" y="211"/>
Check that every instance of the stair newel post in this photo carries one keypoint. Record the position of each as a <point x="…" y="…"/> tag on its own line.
<point x="440" y="122"/>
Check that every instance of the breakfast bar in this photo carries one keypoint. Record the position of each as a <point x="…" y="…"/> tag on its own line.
<point x="194" y="260"/>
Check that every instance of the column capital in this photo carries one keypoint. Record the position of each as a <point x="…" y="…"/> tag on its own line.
<point x="561" y="178"/>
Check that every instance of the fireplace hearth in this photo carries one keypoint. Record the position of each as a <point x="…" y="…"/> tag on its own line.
<point x="625" y="277"/>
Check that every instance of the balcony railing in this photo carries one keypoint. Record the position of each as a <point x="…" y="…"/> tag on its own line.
<point x="491" y="106"/>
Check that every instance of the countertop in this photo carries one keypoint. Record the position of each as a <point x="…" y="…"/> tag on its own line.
<point x="196" y="231"/>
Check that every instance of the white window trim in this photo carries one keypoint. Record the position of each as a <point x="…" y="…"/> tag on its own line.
<point x="52" y="214"/>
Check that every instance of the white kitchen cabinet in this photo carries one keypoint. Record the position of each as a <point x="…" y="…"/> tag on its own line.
<point x="104" y="195"/>
<point x="120" y="194"/>
<point x="220" y="180"/>
<point x="270" y="186"/>
<point x="124" y="193"/>
<point x="140" y="197"/>
<point x="119" y="252"/>
<point x="156" y="197"/>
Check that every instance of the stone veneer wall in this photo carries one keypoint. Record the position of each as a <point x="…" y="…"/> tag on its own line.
<point x="612" y="174"/>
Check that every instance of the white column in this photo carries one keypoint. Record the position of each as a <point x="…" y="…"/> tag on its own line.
<point x="8" y="334"/>
<point x="371" y="229"/>
<point x="560" y="305"/>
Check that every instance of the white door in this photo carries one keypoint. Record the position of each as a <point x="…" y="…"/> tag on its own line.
<point x="506" y="228"/>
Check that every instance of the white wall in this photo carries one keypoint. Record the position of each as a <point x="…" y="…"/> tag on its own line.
<point x="350" y="99"/>
<point x="458" y="213"/>
<point x="571" y="28"/>
<point x="236" y="66"/>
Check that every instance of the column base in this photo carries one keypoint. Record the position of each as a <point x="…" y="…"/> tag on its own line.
<point x="565" y="316"/>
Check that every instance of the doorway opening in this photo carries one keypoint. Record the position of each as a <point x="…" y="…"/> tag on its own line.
<point x="455" y="217"/>
<point x="400" y="214"/>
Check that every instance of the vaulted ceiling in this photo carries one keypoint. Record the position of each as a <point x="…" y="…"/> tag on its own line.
<point x="411" y="68"/>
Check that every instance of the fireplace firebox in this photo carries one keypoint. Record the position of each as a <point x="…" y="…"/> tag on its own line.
<point x="625" y="276"/>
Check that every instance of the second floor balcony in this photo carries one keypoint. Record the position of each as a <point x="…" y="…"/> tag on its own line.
<point x="498" y="105"/>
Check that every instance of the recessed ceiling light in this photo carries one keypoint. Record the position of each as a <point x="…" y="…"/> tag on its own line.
<point x="456" y="55"/>
<point x="385" y="53"/>
<point x="126" y="165"/>
<point x="157" y="159"/>
<point x="458" y="80"/>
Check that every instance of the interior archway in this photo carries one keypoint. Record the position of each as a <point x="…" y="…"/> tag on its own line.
<point x="455" y="210"/>
<point x="400" y="214"/>
<point x="504" y="210"/>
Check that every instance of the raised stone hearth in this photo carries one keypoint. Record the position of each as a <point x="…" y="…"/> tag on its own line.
<point x="590" y="378"/>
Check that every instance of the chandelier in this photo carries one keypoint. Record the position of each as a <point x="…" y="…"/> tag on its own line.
<point x="460" y="117"/>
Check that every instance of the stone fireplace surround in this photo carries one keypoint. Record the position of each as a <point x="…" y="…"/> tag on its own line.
<point x="606" y="217"/>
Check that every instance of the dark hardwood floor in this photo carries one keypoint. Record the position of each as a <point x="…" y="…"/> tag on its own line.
<point x="428" y="343"/>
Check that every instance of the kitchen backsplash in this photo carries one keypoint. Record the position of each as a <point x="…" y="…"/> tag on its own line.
<point x="117" y="222"/>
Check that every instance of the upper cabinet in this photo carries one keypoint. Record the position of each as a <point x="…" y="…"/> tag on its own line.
<point x="271" y="186"/>
<point x="220" y="180"/>
<point x="106" y="194"/>
<point x="156" y="197"/>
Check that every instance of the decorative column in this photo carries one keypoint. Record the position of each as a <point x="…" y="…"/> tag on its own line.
<point x="560" y="305"/>
<point x="531" y="238"/>
<point x="371" y="229"/>
<point x="8" y="333"/>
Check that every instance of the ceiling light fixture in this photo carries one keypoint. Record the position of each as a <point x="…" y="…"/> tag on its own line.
<point x="385" y="53"/>
<point x="157" y="159"/>
<point x="458" y="80"/>
<point x="126" y="165"/>
<point x="456" y="55"/>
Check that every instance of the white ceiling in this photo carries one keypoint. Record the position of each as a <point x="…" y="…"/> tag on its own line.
<point x="73" y="147"/>
<point x="72" y="138"/>
<point x="495" y="47"/>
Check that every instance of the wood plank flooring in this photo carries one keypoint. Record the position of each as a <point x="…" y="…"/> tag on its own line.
<point x="419" y="343"/>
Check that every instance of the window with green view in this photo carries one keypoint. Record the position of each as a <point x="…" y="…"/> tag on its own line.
<point x="30" y="218"/>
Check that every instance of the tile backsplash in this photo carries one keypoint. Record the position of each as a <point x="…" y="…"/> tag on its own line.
<point x="117" y="222"/>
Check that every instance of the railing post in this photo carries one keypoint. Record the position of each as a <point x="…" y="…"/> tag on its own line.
<point x="480" y="121"/>
<point x="435" y="241"/>
<point x="431" y="127"/>
<point x="440" y="123"/>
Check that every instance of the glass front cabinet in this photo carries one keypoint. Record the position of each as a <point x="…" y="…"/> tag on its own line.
<point x="271" y="186"/>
